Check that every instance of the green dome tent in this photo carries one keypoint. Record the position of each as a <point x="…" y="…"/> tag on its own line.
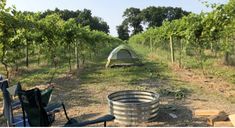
<point x="122" y="56"/>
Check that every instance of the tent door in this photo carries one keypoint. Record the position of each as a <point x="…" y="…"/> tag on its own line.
<point x="124" y="54"/>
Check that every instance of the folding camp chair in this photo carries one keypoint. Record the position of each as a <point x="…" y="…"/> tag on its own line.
<point x="1" y="77"/>
<point x="9" y="105"/>
<point x="39" y="115"/>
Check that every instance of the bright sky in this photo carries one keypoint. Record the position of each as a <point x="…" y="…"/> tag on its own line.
<point x="110" y="10"/>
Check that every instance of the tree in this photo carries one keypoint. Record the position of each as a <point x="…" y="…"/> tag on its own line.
<point x="54" y="36"/>
<point x="96" y="23"/>
<point x="83" y="17"/>
<point x="70" y="36"/>
<point x="154" y="16"/>
<point x="51" y="27"/>
<point x="8" y="44"/>
<point x="133" y="18"/>
<point x="194" y="34"/>
<point x="123" y="32"/>
<point x="151" y="17"/>
<point x="226" y="15"/>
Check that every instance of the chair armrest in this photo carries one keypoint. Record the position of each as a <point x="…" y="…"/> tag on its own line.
<point x="19" y="121"/>
<point x="46" y="96"/>
<point x="98" y="120"/>
<point x="53" y="108"/>
<point x="16" y="104"/>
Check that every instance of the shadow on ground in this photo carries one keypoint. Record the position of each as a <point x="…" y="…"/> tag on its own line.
<point x="172" y="114"/>
<point x="89" y="116"/>
<point x="68" y="90"/>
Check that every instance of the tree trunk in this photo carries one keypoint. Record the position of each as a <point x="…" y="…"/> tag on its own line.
<point x="83" y="59"/>
<point x="38" y="56"/>
<point x="180" y="54"/>
<point x="211" y="46"/>
<point x="7" y="70"/>
<point x="151" y="44"/>
<point x="201" y="58"/>
<point x="5" y="64"/>
<point x="70" y="67"/>
<point x="16" y="66"/>
<point x="38" y="59"/>
<point x="172" y="50"/>
<point x="226" y="58"/>
<point x="27" y="54"/>
<point x="215" y="49"/>
<point x="77" y="57"/>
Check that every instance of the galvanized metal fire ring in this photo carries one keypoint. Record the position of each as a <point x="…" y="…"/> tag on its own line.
<point x="132" y="107"/>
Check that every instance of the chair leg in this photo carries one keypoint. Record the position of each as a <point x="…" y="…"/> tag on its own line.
<point x="65" y="111"/>
<point x="105" y="124"/>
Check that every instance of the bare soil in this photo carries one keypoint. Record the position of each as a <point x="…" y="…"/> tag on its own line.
<point x="87" y="100"/>
<point x="211" y="94"/>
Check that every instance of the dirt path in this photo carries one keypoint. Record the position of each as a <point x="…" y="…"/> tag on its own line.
<point x="208" y="92"/>
<point x="200" y="98"/>
<point x="85" y="94"/>
<point x="208" y="83"/>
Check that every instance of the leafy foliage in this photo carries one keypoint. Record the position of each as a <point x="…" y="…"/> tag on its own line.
<point x="194" y="34"/>
<point x="137" y="19"/>
<point x="27" y="36"/>
<point x="83" y="17"/>
<point x="123" y="32"/>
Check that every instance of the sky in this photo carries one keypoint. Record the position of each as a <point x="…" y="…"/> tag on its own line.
<point x="110" y="11"/>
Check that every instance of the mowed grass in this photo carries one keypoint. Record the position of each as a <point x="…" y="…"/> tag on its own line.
<point x="146" y="77"/>
<point x="88" y="88"/>
<point x="216" y="79"/>
<point x="85" y="91"/>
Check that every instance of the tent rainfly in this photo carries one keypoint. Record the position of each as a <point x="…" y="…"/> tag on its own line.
<point x="122" y="56"/>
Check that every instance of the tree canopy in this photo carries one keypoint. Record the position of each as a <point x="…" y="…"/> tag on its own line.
<point x="83" y="17"/>
<point x="137" y="19"/>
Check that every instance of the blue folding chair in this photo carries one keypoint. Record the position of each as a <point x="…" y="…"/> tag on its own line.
<point x="9" y="105"/>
